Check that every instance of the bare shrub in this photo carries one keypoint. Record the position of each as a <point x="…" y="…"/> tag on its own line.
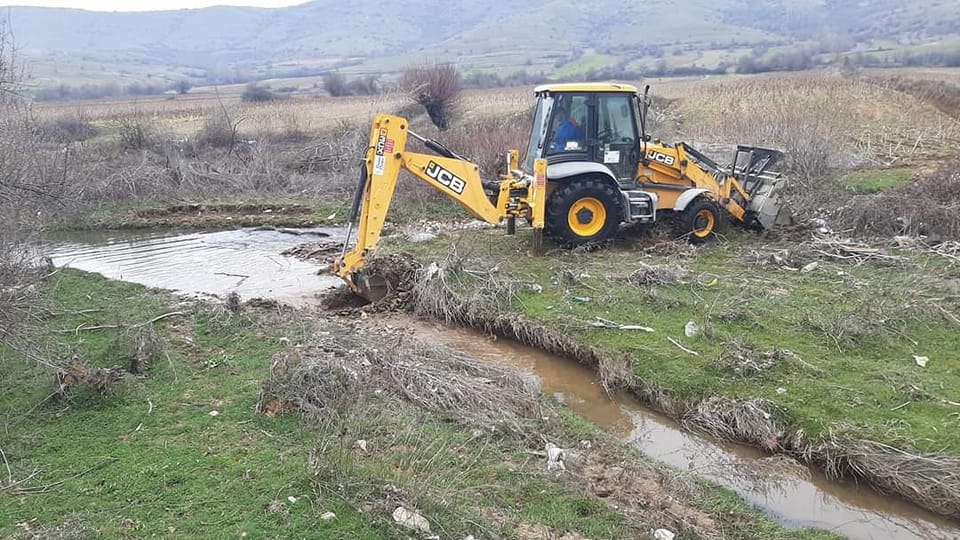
<point x="136" y="131"/>
<point x="219" y="130"/>
<point x="335" y="84"/>
<point x="338" y="149"/>
<point x="486" y="141"/>
<point x="69" y="128"/>
<point x="436" y="88"/>
<point x="255" y="93"/>
<point x="929" y="206"/>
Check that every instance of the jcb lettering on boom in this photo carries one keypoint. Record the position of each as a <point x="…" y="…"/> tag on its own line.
<point x="662" y="158"/>
<point x="445" y="177"/>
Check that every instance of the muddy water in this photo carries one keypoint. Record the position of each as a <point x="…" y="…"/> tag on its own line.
<point x="787" y="491"/>
<point x="247" y="261"/>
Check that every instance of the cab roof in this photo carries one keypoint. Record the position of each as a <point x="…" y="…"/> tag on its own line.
<point x="586" y="87"/>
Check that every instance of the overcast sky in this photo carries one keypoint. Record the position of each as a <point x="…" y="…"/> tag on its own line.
<point x="146" y="5"/>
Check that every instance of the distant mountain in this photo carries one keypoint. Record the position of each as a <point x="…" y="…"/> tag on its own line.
<point x="327" y="33"/>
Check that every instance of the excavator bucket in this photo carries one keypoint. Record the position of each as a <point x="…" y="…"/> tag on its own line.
<point x="371" y="285"/>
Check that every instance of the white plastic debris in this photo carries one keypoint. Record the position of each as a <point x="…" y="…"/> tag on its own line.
<point x="781" y="390"/>
<point x="420" y="236"/>
<point x="663" y="534"/>
<point x="691" y="329"/>
<point x="214" y="413"/>
<point x="810" y="267"/>
<point x="411" y="519"/>
<point x="327" y="516"/>
<point x="292" y="499"/>
<point x="362" y="445"/>
<point x="555" y="458"/>
<point x="921" y="360"/>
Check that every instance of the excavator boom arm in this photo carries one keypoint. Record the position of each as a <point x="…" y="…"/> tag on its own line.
<point x="386" y="157"/>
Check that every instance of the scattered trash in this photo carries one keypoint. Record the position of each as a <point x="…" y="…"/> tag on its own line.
<point x="292" y="499"/>
<point x="362" y="445"/>
<point x="555" y="458"/>
<point x="810" y="267"/>
<point x="411" y="519"/>
<point x="421" y="236"/>
<point x="327" y="516"/>
<point x="921" y="360"/>
<point x="682" y="348"/>
<point x="691" y="329"/>
<point x="663" y="534"/>
<point x="214" y="413"/>
<point x="604" y="323"/>
<point x="581" y="299"/>
<point x="781" y="390"/>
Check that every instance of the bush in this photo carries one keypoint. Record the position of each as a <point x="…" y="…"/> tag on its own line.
<point x="255" y="93"/>
<point x="136" y="131"/>
<point x="436" y="88"/>
<point x="69" y="128"/>
<point x="335" y="84"/>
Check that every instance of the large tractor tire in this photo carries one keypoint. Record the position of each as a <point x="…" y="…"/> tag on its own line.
<point x="698" y="222"/>
<point x="583" y="211"/>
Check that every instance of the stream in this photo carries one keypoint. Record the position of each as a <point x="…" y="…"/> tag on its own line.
<point x="248" y="261"/>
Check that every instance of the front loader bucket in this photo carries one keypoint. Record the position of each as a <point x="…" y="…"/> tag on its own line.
<point x="765" y="205"/>
<point x="753" y="167"/>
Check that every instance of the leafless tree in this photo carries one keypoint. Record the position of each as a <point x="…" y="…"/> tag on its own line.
<point x="436" y="87"/>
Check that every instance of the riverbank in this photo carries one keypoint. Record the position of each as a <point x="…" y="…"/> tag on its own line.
<point x="844" y="360"/>
<point x="158" y="452"/>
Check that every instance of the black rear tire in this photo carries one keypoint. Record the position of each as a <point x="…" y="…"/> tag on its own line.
<point x="698" y="222"/>
<point x="583" y="211"/>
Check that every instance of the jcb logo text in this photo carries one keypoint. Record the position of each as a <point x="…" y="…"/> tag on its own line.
<point x="445" y="177"/>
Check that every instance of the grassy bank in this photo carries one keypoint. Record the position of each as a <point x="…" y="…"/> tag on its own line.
<point x="828" y="345"/>
<point x="181" y="452"/>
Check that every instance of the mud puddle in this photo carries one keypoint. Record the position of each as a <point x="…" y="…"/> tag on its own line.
<point x="247" y="261"/>
<point x="789" y="492"/>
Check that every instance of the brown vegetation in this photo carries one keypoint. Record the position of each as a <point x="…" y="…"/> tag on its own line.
<point x="928" y="207"/>
<point x="436" y="88"/>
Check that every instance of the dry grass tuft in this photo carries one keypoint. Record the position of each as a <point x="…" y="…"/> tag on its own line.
<point x="748" y="421"/>
<point x="650" y="275"/>
<point x="331" y="375"/>
<point x="80" y="374"/>
<point x="745" y="361"/>
<point x="141" y="346"/>
<point x="933" y="481"/>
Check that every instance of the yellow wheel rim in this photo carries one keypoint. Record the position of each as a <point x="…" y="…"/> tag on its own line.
<point x="703" y="223"/>
<point x="587" y="216"/>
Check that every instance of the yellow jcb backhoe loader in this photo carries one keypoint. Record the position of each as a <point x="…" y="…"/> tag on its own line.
<point x="589" y="168"/>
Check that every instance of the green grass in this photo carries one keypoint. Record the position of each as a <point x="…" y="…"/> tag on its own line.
<point x="583" y="64"/>
<point x="148" y="459"/>
<point x="855" y="328"/>
<point x="877" y="180"/>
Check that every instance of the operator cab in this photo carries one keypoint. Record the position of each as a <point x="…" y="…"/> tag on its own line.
<point x="589" y="127"/>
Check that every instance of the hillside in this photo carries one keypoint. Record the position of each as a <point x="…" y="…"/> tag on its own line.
<point x="219" y="43"/>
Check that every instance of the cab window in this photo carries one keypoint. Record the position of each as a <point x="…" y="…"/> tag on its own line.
<point x="568" y="127"/>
